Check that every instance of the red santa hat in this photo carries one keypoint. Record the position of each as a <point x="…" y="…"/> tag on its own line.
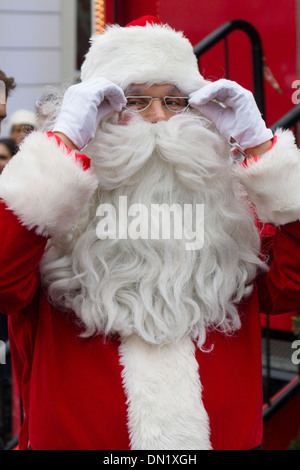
<point x="145" y="51"/>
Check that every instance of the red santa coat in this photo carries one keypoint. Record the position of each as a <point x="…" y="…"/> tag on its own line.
<point x="72" y="388"/>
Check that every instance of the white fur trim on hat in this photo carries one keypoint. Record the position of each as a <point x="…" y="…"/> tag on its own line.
<point x="272" y="182"/>
<point x="153" y="54"/>
<point x="163" y="388"/>
<point x="45" y="187"/>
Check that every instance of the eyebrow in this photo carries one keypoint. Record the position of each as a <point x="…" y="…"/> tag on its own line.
<point x="139" y="90"/>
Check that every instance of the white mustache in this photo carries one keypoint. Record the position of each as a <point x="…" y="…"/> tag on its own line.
<point x="118" y="152"/>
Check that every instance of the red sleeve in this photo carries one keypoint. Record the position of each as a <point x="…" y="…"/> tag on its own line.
<point x="85" y="161"/>
<point x="20" y="254"/>
<point x="279" y="291"/>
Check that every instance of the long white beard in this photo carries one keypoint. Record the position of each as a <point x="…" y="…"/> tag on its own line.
<point x="157" y="288"/>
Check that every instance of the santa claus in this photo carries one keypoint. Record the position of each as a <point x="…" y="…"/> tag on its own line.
<point x="126" y="334"/>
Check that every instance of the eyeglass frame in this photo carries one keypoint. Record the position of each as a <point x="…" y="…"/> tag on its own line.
<point x="160" y="99"/>
<point x="23" y="128"/>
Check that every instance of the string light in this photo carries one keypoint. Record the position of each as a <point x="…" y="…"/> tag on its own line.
<point x="157" y="7"/>
<point x="99" y="6"/>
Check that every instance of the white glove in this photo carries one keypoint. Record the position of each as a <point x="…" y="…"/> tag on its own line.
<point x="239" y="118"/>
<point x="83" y="107"/>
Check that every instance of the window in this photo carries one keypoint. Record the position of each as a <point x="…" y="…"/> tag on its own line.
<point x="84" y="30"/>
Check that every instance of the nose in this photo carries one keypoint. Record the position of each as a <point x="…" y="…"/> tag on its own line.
<point x="156" y="112"/>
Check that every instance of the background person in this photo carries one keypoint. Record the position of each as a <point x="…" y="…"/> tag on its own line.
<point x="9" y="85"/>
<point x="8" y="149"/>
<point x="20" y="124"/>
<point x="47" y="107"/>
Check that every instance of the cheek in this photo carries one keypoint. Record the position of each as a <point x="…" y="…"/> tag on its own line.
<point x="124" y="118"/>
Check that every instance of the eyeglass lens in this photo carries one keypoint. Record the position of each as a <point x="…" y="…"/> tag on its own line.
<point x="140" y="103"/>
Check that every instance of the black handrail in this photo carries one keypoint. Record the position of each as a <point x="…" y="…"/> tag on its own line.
<point x="286" y="122"/>
<point x="289" y="119"/>
<point x="257" y="53"/>
<point x="286" y="395"/>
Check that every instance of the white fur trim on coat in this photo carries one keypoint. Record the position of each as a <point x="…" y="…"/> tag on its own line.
<point x="273" y="181"/>
<point x="45" y="187"/>
<point x="162" y="384"/>
<point x="143" y="54"/>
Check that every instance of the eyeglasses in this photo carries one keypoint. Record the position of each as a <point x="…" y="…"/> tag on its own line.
<point x="22" y="129"/>
<point x="175" y="104"/>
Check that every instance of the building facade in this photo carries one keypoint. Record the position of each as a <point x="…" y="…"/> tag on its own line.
<point x="37" y="47"/>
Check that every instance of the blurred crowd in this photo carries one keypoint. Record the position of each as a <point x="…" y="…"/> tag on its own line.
<point x="18" y="126"/>
<point x="23" y="121"/>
